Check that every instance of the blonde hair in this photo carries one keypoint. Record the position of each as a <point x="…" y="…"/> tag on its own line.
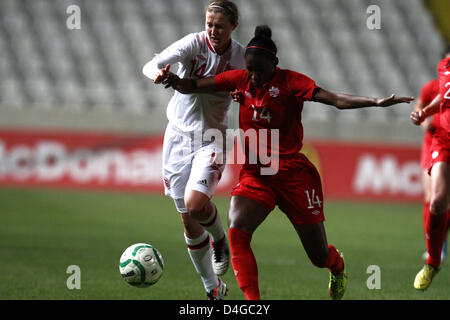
<point x="226" y="7"/>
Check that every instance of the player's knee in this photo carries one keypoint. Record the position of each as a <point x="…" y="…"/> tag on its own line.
<point x="236" y="224"/>
<point x="438" y="204"/>
<point x="196" y="209"/>
<point x="239" y="217"/>
<point x="240" y="221"/>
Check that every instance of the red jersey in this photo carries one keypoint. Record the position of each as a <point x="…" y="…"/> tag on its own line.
<point x="444" y="89"/>
<point x="277" y="105"/>
<point x="429" y="91"/>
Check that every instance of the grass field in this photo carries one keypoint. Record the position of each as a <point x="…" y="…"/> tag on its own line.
<point x="42" y="232"/>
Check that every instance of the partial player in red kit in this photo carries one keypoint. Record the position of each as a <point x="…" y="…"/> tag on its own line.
<point x="271" y="101"/>
<point x="429" y="91"/>
<point x="439" y="170"/>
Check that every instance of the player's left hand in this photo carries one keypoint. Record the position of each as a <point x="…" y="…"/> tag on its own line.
<point x="162" y="74"/>
<point x="170" y="80"/>
<point x="386" y="102"/>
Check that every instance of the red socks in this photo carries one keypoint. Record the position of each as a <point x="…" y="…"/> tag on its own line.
<point x="334" y="261"/>
<point x="246" y="270"/>
<point x="244" y="263"/>
<point x="436" y="230"/>
<point x="425" y="217"/>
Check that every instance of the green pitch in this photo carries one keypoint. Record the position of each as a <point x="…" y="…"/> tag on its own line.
<point x="43" y="232"/>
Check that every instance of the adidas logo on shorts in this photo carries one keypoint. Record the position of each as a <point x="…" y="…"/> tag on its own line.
<point x="203" y="182"/>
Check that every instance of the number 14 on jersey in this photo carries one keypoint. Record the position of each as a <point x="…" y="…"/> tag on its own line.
<point x="313" y="199"/>
<point x="265" y="114"/>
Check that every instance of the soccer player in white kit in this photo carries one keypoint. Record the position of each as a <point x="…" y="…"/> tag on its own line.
<point x="192" y="167"/>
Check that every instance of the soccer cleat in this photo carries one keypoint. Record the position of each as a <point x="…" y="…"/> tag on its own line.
<point x="220" y="256"/>
<point x="338" y="283"/>
<point x="219" y="292"/>
<point x="424" y="277"/>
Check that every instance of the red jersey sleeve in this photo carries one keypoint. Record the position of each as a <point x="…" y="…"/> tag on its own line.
<point x="429" y="91"/>
<point x="230" y="80"/>
<point x="302" y="86"/>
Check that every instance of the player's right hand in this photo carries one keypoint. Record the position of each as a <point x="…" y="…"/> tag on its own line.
<point x="237" y="96"/>
<point x="417" y="117"/>
<point x="393" y="99"/>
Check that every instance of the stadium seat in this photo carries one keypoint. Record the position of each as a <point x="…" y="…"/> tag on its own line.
<point x="99" y="66"/>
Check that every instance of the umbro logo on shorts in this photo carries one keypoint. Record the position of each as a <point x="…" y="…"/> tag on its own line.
<point x="203" y="182"/>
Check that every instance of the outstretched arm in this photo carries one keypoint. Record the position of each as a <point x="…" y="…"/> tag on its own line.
<point x="417" y="117"/>
<point x="186" y="85"/>
<point x="346" y="101"/>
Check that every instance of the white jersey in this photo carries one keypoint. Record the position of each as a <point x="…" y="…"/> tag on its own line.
<point x="197" y="59"/>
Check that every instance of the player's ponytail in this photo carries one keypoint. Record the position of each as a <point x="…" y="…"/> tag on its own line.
<point x="263" y="31"/>
<point x="262" y="43"/>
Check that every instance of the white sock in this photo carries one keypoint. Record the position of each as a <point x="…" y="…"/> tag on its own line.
<point x="214" y="225"/>
<point x="199" y="250"/>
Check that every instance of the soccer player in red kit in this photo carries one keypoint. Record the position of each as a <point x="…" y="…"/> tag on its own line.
<point x="429" y="91"/>
<point x="439" y="170"/>
<point x="271" y="100"/>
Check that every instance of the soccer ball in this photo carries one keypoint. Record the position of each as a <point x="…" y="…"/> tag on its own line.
<point x="141" y="265"/>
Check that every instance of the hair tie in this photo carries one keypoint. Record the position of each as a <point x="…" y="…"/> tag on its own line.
<point x="262" y="48"/>
<point x="215" y="6"/>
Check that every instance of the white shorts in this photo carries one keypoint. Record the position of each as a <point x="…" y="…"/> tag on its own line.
<point x="190" y="167"/>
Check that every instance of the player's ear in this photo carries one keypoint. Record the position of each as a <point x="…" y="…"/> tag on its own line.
<point x="235" y="26"/>
<point x="276" y="61"/>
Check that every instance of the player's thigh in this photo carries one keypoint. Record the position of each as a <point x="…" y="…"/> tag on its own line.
<point x="426" y="180"/>
<point x="246" y="214"/>
<point x="251" y="202"/>
<point x="440" y="179"/>
<point x="300" y="196"/>
<point x="205" y="172"/>
<point x="176" y="165"/>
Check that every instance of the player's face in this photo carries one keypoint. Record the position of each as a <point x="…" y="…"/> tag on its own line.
<point x="259" y="69"/>
<point x="219" y="30"/>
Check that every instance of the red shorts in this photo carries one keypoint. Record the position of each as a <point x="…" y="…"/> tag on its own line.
<point x="440" y="148"/>
<point x="296" y="189"/>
